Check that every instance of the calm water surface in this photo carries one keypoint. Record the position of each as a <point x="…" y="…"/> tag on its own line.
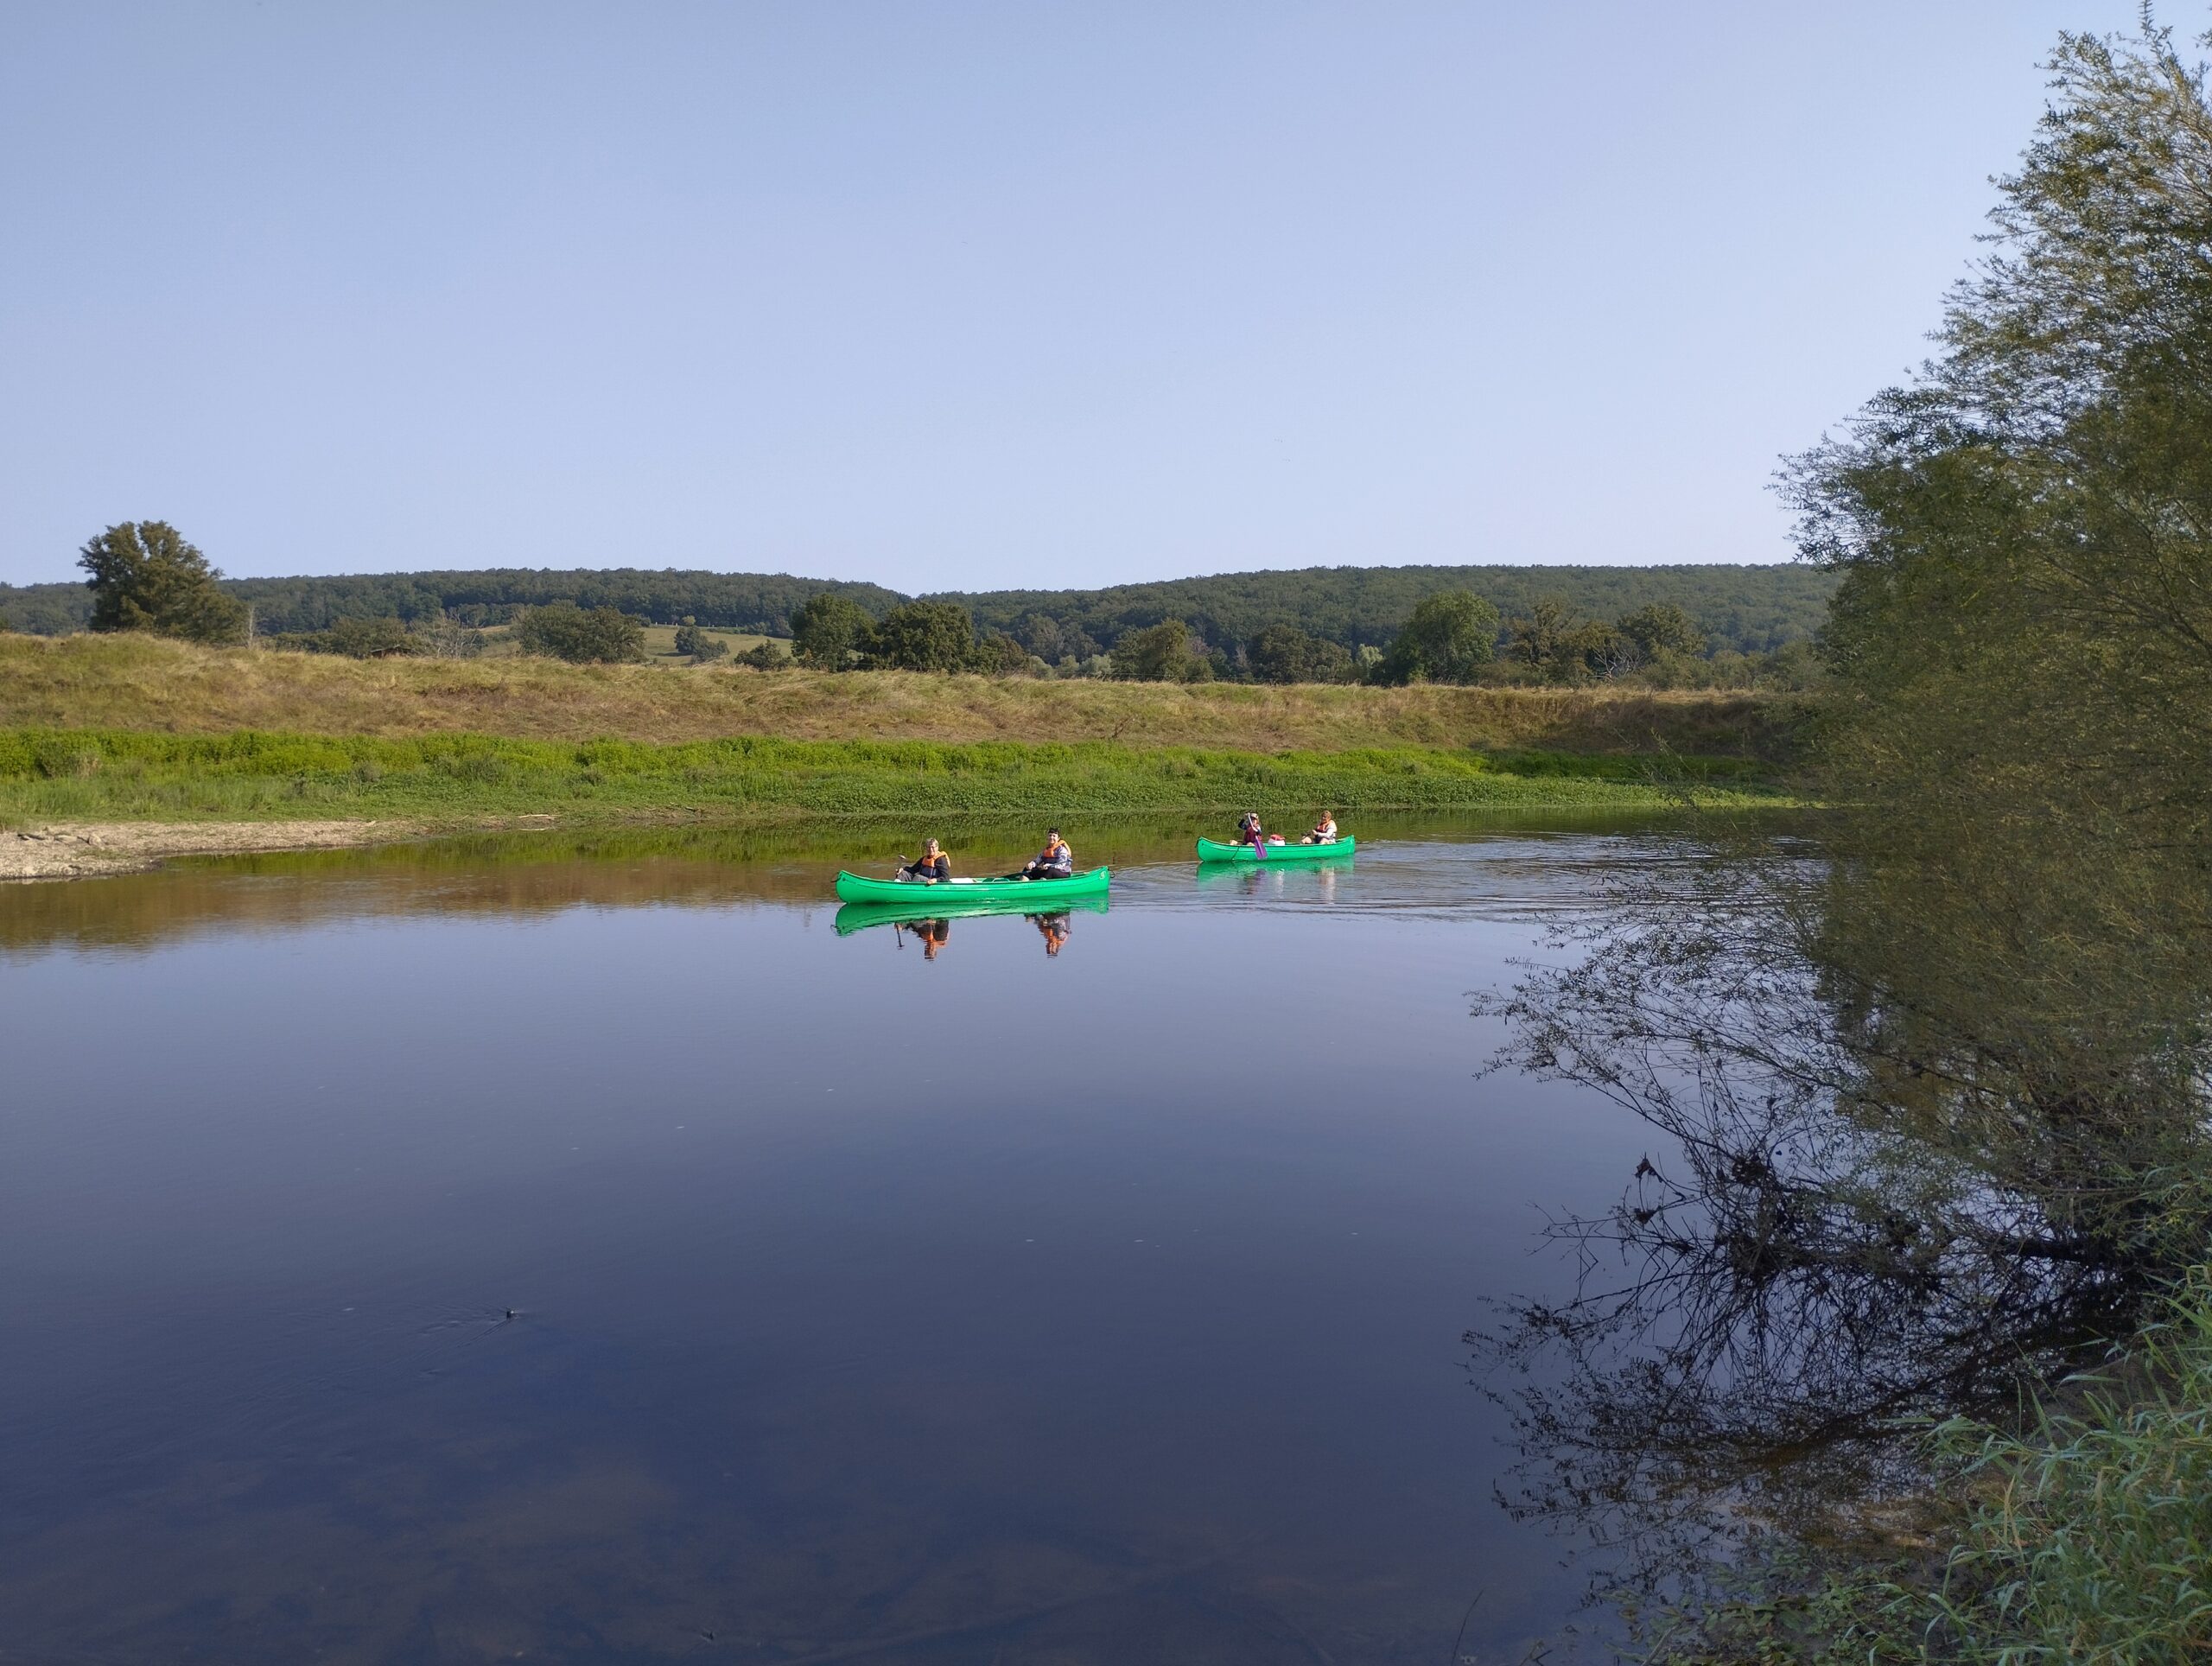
<point x="866" y="1303"/>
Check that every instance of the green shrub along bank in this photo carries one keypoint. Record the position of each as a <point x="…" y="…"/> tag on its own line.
<point x="2083" y="1534"/>
<point x="96" y="774"/>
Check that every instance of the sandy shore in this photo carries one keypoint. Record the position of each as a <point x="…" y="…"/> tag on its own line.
<point x="82" y="850"/>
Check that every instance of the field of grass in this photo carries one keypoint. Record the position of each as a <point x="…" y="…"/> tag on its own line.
<point x="458" y="780"/>
<point x="660" y="643"/>
<point x="144" y="682"/>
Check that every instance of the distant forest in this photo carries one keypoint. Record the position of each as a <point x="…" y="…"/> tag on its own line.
<point x="1749" y="609"/>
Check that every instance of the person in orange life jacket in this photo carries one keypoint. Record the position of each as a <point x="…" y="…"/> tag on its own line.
<point x="1055" y="861"/>
<point x="1325" y="830"/>
<point x="933" y="864"/>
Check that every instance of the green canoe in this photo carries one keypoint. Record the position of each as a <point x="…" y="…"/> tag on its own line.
<point x="1209" y="851"/>
<point x="856" y="887"/>
<point x="859" y="915"/>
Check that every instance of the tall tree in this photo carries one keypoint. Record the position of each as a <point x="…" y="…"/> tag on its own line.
<point x="144" y="576"/>
<point x="1661" y="627"/>
<point x="1283" y="653"/>
<point x="1162" y="653"/>
<point x="923" y="636"/>
<point x="1449" y="637"/>
<point x="564" y="631"/>
<point x="827" y="630"/>
<point x="2024" y="532"/>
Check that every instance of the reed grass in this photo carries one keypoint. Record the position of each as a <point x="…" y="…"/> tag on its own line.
<point x="2083" y="1532"/>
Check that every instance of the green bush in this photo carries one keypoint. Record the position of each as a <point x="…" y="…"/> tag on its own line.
<point x="564" y="631"/>
<point x="702" y="647"/>
<point x="923" y="636"/>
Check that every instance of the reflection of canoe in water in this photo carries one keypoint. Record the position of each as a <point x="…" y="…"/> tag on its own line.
<point x="932" y="903"/>
<point x="856" y="887"/>
<point x="1209" y="851"/>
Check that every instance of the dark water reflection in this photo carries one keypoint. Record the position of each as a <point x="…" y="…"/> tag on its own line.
<point x="1101" y="1306"/>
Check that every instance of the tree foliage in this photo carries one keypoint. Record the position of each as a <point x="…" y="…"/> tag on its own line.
<point x="1166" y="652"/>
<point x="2025" y="531"/>
<point x="367" y="639"/>
<point x="698" y="644"/>
<point x="1661" y="627"/>
<point x="1746" y="608"/>
<point x="1283" y="653"/>
<point x="1449" y="637"/>
<point x="923" y="636"/>
<point x="828" y="630"/>
<point x="144" y="576"/>
<point x="563" y="631"/>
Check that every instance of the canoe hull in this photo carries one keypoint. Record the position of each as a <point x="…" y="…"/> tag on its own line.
<point x="1027" y="893"/>
<point x="1210" y="851"/>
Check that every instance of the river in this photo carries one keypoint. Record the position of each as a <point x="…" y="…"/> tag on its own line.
<point x="520" y="1249"/>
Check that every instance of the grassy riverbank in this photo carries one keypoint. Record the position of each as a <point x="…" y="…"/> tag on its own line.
<point x="454" y="779"/>
<point x="139" y="682"/>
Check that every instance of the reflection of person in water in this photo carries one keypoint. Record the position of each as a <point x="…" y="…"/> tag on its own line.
<point x="930" y="934"/>
<point x="1054" y="930"/>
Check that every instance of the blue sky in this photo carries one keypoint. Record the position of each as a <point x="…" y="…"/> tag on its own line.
<point x="966" y="296"/>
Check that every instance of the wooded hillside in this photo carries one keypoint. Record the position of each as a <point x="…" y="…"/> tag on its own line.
<point x="1749" y="608"/>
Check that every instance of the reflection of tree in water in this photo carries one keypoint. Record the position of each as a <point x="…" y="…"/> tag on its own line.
<point x="1930" y="1104"/>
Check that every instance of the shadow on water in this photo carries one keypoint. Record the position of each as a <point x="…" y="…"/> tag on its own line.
<point x="1930" y="1125"/>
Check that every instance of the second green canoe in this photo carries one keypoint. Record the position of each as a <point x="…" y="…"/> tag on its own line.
<point x="1210" y="851"/>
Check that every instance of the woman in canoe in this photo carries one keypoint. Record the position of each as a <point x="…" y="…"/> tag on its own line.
<point x="1248" y="831"/>
<point x="933" y="864"/>
<point x="1054" y="861"/>
<point x="1325" y="830"/>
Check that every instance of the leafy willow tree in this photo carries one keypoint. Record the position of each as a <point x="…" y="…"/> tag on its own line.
<point x="144" y="576"/>
<point x="1449" y="637"/>
<point x="1938" y="1100"/>
<point x="827" y="630"/>
<point x="2025" y="531"/>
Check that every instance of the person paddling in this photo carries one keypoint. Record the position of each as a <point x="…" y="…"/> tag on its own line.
<point x="1248" y="831"/>
<point x="1054" y="861"/>
<point x="1325" y="830"/>
<point x="933" y="864"/>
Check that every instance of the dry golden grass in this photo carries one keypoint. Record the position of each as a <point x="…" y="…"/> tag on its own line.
<point x="144" y="682"/>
